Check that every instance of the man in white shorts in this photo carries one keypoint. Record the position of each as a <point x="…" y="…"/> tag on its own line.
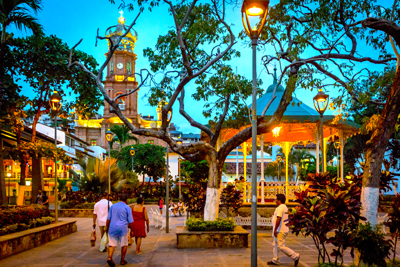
<point x="118" y="220"/>
<point x="100" y="214"/>
<point x="280" y="232"/>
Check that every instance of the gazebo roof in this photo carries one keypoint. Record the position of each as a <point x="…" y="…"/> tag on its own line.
<point x="299" y="122"/>
<point x="298" y="112"/>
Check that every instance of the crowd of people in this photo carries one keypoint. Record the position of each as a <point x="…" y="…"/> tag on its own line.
<point x="121" y="223"/>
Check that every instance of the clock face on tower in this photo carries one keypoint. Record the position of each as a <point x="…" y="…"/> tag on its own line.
<point x="120" y="65"/>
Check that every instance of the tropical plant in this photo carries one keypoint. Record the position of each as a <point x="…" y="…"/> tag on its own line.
<point x="370" y="245"/>
<point x="231" y="198"/>
<point x="195" y="198"/>
<point x="278" y="173"/>
<point x="95" y="174"/>
<point x="194" y="172"/>
<point x="393" y="222"/>
<point x="331" y="207"/>
<point x="122" y="135"/>
<point x="16" y="13"/>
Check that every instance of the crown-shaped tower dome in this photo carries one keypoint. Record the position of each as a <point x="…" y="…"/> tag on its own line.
<point x="128" y="42"/>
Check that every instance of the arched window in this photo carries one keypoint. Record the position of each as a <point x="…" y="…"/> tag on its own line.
<point x="121" y="101"/>
<point x="112" y="66"/>
<point x="128" y="68"/>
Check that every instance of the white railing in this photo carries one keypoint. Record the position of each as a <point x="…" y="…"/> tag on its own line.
<point x="271" y="189"/>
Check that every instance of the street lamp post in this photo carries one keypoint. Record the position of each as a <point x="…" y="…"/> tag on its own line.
<point x="109" y="137"/>
<point x="257" y="8"/>
<point x="132" y="151"/>
<point x="167" y="194"/>
<point x="321" y="101"/>
<point x="179" y="170"/>
<point x="55" y="105"/>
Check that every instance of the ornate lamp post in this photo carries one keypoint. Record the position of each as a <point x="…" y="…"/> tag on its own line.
<point x="109" y="137"/>
<point x="179" y="170"/>
<point x="55" y="105"/>
<point x="258" y="8"/>
<point x="321" y="101"/>
<point x="132" y="151"/>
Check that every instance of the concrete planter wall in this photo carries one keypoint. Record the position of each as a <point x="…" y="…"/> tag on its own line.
<point x="238" y="238"/>
<point x="79" y="213"/>
<point x="14" y="243"/>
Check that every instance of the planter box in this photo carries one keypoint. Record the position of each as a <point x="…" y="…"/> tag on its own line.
<point x="238" y="238"/>
<point x="78" y="213"/>
<point x="14" y="243"/>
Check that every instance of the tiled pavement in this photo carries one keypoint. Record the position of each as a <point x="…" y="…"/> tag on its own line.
<point x="159" y="249"/>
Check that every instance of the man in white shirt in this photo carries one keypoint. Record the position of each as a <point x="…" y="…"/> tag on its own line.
<point x="280" y="232"/>
<point x="100" y="213"/>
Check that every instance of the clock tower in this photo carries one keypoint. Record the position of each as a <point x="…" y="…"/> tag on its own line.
<point x="120" y="77"/>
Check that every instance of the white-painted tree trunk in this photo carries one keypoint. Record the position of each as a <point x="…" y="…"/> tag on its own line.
<point x="370" y="200"/>
<point x="212" y="204"/>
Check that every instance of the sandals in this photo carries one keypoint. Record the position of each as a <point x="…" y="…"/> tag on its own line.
<point x="110" y="263"/>
<point x="124" y="262"/>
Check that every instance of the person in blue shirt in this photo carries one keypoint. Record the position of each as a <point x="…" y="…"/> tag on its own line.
<point x="118" y="220"/>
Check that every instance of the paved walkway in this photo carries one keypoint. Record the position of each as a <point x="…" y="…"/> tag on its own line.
<point x="159" y="249"/>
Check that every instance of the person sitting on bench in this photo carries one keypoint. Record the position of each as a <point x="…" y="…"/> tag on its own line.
<point x="180" y="207"/>
<point x="172" y="207"/>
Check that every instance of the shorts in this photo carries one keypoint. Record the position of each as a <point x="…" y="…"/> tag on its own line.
<point x="114" y="241"/>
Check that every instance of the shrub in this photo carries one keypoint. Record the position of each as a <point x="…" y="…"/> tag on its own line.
<point x="195" y="198"/>
<point x="331" y="207"/>
<point x="394" y="222"/>
<point x="22" y="215"/>
<point x="12" y="228"/>
<point x="231" y="198"/>
<point x="372" y="245"/>
<point x="220" y="224"/>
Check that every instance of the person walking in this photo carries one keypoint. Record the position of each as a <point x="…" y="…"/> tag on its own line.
<point x="280" y="232"/>
<point x="39" y="198"/>
<point x="140" y="216"/>
<point x="118" y="220"/>
<point x="160" y="204"/>
<point x="100" y="214"/>
<point x="45" y="199"/>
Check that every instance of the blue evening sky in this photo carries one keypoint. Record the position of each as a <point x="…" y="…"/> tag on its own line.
<point x="72" y="20"/>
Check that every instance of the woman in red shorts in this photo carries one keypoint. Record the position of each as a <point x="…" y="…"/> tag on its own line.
<point x="140" y="216"/>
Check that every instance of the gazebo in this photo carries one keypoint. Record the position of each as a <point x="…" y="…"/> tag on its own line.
<point x="299" y="125"/>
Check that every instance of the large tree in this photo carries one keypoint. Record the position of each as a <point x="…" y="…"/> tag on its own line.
<point x="339" y="43"/>
<point x="16" y="13"/>
<point x="197" y="51"/>
<point x="42" y="66"/>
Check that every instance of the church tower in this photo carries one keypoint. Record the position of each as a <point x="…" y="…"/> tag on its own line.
<point x="120" y="78"/>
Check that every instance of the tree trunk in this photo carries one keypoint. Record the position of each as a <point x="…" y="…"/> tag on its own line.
<point x="37" y="178"/>
<point x="35" y="121"/>
<point x="2" y="177"/>
<point x="375" y="154"/>
<point x="213" y="185"/>
<point x="23" y="169"/>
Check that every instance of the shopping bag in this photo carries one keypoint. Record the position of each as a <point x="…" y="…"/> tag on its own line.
<point x="130" y="241"/>
<point x="103" y="242"/>
<point x="93" y="238"/>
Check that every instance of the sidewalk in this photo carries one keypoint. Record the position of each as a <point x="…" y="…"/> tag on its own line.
<point x="159" y="249"/>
